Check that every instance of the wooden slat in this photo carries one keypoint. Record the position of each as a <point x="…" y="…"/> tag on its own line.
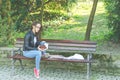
<point x="19" y="43"/>
<point x="62" y="44"/>
<point x="69" y="51"/>
<point x="71" y="44"/>
<point x="18" y="56"/>
<point x="63" y="41"/>
<point x="71" y="48"/>
<point x="68" y="41"/>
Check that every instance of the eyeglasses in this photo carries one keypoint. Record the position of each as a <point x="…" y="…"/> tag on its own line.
<point x="38" y="27"/>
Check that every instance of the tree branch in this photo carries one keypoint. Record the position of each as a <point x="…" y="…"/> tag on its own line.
<point x="47" y="2"/>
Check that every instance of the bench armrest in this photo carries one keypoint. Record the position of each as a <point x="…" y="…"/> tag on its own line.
<point x="18" y="51"/>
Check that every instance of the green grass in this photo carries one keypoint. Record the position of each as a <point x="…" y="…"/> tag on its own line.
<point x="75" y="28"/>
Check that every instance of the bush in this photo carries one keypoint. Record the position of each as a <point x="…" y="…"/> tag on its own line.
<point x="6" y="34"/>
<point x="113" y="16"/>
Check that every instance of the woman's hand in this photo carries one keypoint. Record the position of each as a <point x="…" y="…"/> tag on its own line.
<point x="41" y="47"/>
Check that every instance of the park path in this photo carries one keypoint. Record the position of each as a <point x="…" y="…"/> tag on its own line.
<point x="52" y="73"/>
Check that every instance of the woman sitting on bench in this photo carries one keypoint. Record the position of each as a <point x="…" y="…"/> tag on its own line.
<point x="31" y="48"/>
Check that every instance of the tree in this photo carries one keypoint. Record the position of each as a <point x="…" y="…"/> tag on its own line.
<point x="0" y="4"/>
<point x="113" y="18"/>
<point x="90" y="21"/>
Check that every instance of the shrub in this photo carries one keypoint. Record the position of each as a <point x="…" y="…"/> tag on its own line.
<point x="6" y="34"/>
<point x="113" y="16"/>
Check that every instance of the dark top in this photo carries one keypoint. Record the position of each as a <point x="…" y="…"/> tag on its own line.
<point x="29" y="41"/>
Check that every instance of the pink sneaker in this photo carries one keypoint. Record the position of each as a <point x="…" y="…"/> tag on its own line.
<point x="36" y="73"/>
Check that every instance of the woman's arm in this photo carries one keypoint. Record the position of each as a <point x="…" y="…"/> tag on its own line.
<point x="27" y="44"/>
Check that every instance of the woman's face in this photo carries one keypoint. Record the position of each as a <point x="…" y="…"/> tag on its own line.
<point x="36" y="28"/>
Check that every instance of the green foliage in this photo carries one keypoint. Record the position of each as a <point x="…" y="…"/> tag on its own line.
<point x="113" y="16"/>
<point x="6" y="33"/>
<point x="25" y="11"/>
<point x="54" y="15"/>
<point x="20" y="10"/>
<point x="60" y="4"/>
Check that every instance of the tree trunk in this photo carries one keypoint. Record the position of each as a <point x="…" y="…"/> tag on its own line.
<point x="41" y="17"/>
<point x="90" y="21"/>
<point x="9" y="20"/>
<point x="9" y="11"/>
<point x="0" y="4"/>
<point x="1" y="8"/>
<point x="41" y="11"/>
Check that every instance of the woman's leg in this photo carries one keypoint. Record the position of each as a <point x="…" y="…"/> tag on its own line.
<point x="34" y="54"/>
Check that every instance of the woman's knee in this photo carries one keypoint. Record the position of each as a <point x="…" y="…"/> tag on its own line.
<point x="39" y="53"/>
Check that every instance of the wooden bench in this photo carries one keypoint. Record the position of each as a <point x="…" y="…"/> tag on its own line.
<point x="59" y="46"/>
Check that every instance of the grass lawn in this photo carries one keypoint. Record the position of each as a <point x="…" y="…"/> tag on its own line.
<point x="75" y="27"/>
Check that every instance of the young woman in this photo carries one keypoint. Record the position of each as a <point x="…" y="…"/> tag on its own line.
<point x="31" y="48"/>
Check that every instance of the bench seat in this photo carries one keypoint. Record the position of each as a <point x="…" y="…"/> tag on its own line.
<point x="18" y="56"/>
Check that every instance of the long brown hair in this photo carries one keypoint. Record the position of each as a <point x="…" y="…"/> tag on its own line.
<point x="39" y="33"/>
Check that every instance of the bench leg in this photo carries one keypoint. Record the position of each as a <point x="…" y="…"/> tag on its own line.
<point x="21" y="64"/>
<point x="13" y="66"/>
<point x="89" y="66"/>
<point x="88" y="70"/>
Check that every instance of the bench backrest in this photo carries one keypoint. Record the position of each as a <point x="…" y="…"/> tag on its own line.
<point x="65" y="45"/>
